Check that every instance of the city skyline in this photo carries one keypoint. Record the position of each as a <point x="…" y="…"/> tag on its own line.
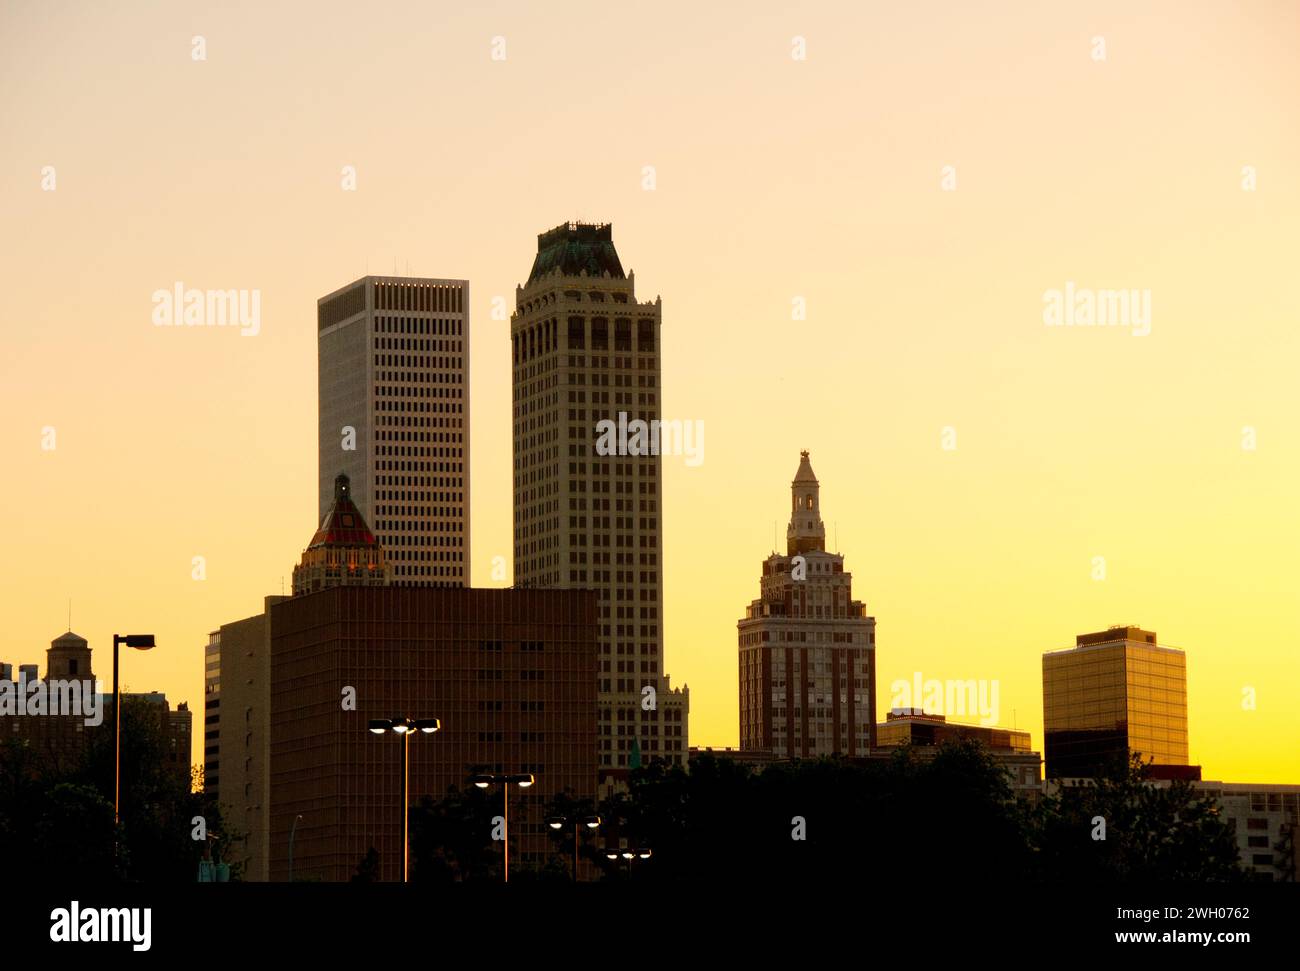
<point x="922" y="315"/>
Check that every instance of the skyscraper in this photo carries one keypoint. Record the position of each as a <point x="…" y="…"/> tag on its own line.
<point x="394" y="417"/>
<point x="584" y="350"/>
<point x="807" y="648"/>
<point x="1116" y="691"/>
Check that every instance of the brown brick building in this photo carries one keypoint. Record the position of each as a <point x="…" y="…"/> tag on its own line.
<point x="807" y="648"/>
<point x="511" y="674"/>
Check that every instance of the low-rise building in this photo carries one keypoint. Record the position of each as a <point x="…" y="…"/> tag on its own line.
<point x="926" y="733"/>
<point x="1266" y="819"/>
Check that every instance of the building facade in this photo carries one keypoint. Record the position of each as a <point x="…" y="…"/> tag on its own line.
<point x="240" y="744"/>
<point x="57" y="727"/>
<point x="1011" y="747"/>
<point x="583" y="351"/>
<point x="807" y="648"/>
<point x="1116" y="691"/>
<point x="393" y="356"/>
<point x="1266" y="819"/>
<point x="57" y="739"/>
<point x="212" y="715"/>
<point x="510" y="673"/>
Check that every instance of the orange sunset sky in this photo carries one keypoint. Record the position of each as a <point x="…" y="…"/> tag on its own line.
<point x="775" y="178"/>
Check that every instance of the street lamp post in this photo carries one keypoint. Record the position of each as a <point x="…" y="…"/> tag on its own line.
<point x="141" y="642"/>
<point x="406" y="727"/>
<point x="523" y="780"/>
<point x="590" y="822"/>
<point x="292" y="832"/>
<point x="629" y="853"/>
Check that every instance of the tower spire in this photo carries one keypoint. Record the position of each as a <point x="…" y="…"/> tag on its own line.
<point x="806" y="531"/>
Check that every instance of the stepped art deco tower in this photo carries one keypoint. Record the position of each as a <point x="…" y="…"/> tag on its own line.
<point x="807" y="648"/>
<point x="584" y="350"/>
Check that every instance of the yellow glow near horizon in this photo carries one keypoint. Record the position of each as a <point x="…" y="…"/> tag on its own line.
<point x="776" y="179"/>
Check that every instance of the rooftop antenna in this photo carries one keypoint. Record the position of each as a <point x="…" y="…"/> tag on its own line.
<point x="69" y="613"/>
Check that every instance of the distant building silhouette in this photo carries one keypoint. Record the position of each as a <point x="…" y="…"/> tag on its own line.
<point x="60" y="739"/>
<point x="807" y="648"/>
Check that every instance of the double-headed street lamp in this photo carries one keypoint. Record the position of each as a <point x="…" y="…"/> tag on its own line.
<point x="523" y="780"/>
<point x="590" y="822"/>
<point x="141" y="642"/>
<point x="405" y="727"/>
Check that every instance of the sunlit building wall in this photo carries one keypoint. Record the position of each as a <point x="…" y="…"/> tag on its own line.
<point x="1115" y="692"/>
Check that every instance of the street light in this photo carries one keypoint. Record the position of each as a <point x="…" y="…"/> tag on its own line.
<point x="405" y="727"/>
<point x="629" y="853"/>
<point x="523" y="780"/>
<point x="292" y="832"/>
<point x="590" y="822"/>
<point x="141" y="642"/>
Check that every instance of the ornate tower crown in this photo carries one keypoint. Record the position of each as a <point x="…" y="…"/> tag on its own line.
<point x="343" y="551"/>
<point x="576" y="249"/>
<point x="806" y="531"/>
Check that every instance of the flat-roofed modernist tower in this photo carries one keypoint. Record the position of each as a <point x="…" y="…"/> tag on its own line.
<point x="807" y="648"/>
<point x="1116" y="691"/>
<point x="582" y="351"/>
<point x="393" y="380"/>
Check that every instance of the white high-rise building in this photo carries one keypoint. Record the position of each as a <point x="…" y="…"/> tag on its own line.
<point x="393" y="380"/>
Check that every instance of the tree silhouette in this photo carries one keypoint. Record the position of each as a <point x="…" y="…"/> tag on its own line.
<point x="1152" y="833"/>
<point x="368" y="868"/>
<point x="451" y="839"/>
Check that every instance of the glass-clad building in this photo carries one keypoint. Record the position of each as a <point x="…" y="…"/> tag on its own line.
<point x="1116" y="691"/>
